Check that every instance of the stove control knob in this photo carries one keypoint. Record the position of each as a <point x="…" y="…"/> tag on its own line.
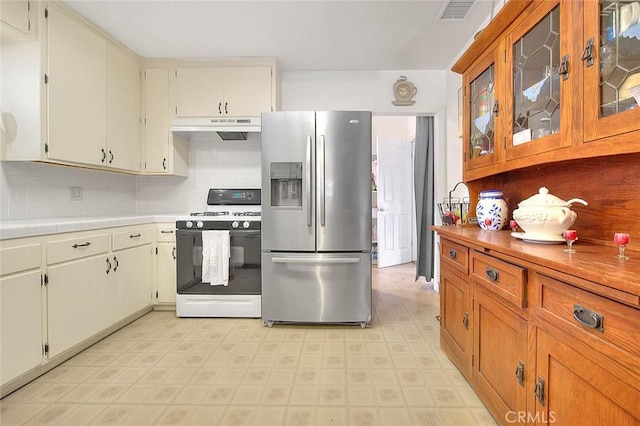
<point x="235" y="224"/>
<point x="245" y="225"/>
<point x="189" y="224"/>
<point x="200" y="224"/>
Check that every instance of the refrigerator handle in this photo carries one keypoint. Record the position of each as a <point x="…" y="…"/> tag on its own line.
<point x="321" y="164"/>
<point x="315" y="261"/>
<point x="308" y="183"/>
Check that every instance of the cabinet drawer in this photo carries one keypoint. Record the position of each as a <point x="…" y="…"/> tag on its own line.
<point x="132" y="238"/>
<point x="603" y="324"/>
<point x="166" y="233"/>
<point x="16" y="259"/>
<point x="501" y="278"/>
<point x="77" y="248"/>
<point x="455" y="255"/>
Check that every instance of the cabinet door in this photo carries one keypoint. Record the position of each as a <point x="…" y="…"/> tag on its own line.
<point x="130" y="282"/>
<point x="543" y="100"/>
<point x="456" y="320"/>
<point x="15" y="13"/>
<point x="77" y="301"/>
<point x="500" y="353"/>
<point x="167" y="273"/>
<point x="76" y="90"/>
<point x="123" y="111"/>
<point x="199" y="92"/>
<point x="611" y="70"/>
<point x="482" y="120"/>
<point x="247" y="91"/>
<point x="21" y="325"/>
<point x="156" y="119"/>
<point x="571" y="388"/>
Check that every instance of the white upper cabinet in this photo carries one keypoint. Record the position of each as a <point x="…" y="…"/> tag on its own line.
<point x="123" y="110"/>
<point x="76" y="89"/>
<point x="164" y="152"/>
<point x="15" y="14"/>
<point x="242" y="91"/>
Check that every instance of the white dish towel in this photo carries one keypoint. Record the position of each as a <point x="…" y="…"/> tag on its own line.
<point x="215" y="257"/>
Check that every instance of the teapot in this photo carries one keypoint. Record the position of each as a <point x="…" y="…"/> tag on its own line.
<point x="545" y="216"/>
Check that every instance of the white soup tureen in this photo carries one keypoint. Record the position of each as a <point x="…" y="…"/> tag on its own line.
<point x="545" y="216"/>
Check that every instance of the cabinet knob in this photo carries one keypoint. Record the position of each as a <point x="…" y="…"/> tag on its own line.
<point x="465" y="320"/>
<point x="453" y="254"/>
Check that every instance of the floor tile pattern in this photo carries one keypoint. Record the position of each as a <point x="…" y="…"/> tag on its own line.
<point x="164" y="370"/>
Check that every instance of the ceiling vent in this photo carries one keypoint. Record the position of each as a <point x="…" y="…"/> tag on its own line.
<point x="455" y="9"/>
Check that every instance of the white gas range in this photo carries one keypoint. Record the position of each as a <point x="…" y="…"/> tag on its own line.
<point x="238" y="212"/>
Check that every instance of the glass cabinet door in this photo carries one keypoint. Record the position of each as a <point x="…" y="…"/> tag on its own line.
<point x="541" y="104"/>
<point x="481" y="120"/>
<point x="611" y="67"/>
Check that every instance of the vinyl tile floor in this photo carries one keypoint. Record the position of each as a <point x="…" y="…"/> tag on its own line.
<point x="164" y="370"/>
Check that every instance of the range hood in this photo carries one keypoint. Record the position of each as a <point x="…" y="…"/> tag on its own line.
<point x="227" y="128"/>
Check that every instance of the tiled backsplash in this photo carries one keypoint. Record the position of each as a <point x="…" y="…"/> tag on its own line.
<point x="31" y="190"/>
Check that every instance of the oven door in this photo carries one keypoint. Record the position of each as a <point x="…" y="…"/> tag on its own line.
<point x="244" y="264"/>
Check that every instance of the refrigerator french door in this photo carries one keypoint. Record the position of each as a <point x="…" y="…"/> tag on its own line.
<point x="316" y="216"/>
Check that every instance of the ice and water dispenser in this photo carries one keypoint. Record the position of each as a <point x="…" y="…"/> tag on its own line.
<point x="286" y="184"/>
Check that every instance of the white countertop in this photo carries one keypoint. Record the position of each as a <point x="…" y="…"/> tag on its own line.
<point x="20" y="228"/>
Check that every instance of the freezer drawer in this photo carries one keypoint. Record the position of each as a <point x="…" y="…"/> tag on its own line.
<point x="316" y="288"/>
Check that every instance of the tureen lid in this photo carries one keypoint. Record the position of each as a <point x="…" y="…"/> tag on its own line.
<point x="543" y="198"/>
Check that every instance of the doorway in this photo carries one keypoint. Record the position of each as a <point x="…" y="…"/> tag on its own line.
<point x="393" y="212"/>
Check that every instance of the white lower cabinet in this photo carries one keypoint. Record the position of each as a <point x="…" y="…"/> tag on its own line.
<point x="166" y="263"/>
<point x="21" y="310"/>
<point x="130" y="286"/>
<point x="59" y="293"/>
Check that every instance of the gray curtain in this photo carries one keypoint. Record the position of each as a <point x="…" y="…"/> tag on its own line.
<point x="424" y="187"/>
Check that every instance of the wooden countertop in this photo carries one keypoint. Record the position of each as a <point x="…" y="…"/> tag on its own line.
<point x="596" y="264"/>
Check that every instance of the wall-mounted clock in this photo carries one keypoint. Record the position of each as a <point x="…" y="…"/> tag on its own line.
<point x="404" y="90"/>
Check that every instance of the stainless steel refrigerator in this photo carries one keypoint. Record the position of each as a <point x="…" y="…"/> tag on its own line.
<point x="316" y="217"/>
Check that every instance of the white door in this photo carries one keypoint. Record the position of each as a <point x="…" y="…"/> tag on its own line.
<point x="394" y="202"/>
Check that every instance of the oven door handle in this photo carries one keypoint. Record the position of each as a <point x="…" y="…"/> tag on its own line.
<point x="315" y="260"/>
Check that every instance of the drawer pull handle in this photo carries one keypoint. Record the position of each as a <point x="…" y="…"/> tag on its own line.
<point x="465" y="320"/>
<point x="520" y="373"/>
<point x="166" y="232"/>
<point x="108" y="266"/>
<point x="87" y="244"/>
<point x="492" y="274"/>
<point x="588" y="318"/>
<point x="135" y="235"/>
<point x="453" y="254"/>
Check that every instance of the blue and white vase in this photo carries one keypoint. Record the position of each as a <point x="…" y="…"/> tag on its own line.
<point x="492" y="210"/>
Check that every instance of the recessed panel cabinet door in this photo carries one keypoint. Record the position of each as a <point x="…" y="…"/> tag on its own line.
<point x="76" y="90"/>
<point x="123" y="111"/>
